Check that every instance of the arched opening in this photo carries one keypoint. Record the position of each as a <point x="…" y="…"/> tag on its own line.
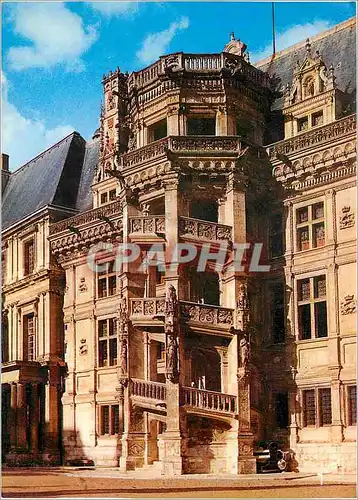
<point x="204" y="210"/>
<point x="204" y="288"/>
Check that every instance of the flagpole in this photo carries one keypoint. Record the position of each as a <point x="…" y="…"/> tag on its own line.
<point x="273" y="29"/>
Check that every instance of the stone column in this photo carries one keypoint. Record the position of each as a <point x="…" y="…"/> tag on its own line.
<point x="35" y="414"/>
<point x="21" y="423"/>
<point x="52" y="420"/>
<point x="13" y="416"/>
<point x="292" y="408"/>
<point x="337" y="424"/>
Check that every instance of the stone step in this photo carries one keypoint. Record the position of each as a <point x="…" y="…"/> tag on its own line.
<point x="155" y="466"/>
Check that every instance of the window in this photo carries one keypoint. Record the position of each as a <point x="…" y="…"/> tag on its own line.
<point x="107" y="342"/>
<point x="276" y="235"/>
<point x="112" y="195"/>
<point x="314" y="413"/>
<point x="352" y="405"/>
<point x="108" y="420"/>
<point x="302" y="124"/>
<point x="281" y="410"/>
<point x="312" y="308"/>
<point x="3" y="265"/>
<point x="310" y="227"/>
<point x="104" y="198"/>
<point x="309" y="408"/>
<point x="29" y="337"/>
<point x="201" y="126"/>
<point x="157" y="131"/>
<point x="277" y="313"/>
<point x="325" y="407"/>
<point x="317" y="119"/>
<point x="107" y="282"/>
<point x="29" y="257"/>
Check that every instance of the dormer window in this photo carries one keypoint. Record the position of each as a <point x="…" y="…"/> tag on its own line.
<point x="309" y="87"/>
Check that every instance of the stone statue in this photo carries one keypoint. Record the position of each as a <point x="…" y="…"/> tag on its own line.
<point x="123" y="356"/>
<point x="172" y="356"/>
<point x="171" y="302"/>
<point x="244" y="351"/>
<point x="243" y="301"/>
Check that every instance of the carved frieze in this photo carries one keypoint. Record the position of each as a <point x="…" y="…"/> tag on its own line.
<point x="348" y="305"/>
<point x="347" y="218"/>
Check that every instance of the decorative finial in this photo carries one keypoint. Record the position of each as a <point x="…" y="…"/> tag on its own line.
<point x="308" y="46"/>
<point x="232" y="36"/>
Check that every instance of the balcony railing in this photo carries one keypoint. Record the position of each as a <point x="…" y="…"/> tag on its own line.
<point x="190" y="311"/>
<point x="147" y="307"/>
<point x="203" y="313"/>
<point x="145" y="225"/>
<point x="148" y="389"/>
<point x="197" y="63"/>
<point x="209" y="400"/>
<point x="90" y="216"/>
<point x="158" y="149"/>
<point x="314" y="137"/>
<point x="195" y="228"/>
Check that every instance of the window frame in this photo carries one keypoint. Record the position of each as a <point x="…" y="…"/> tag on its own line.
<point x="26" y="337"/>
<point x="311" y="301"/>
<point x="106" y="341"/>
<point x="309" y="224"/>
<point x="112" y="425"/>
<point x="107" y="276"/>
<point x="27" y="271"/>
<point x="350" y="410"/>
<point x="317" y="406"/>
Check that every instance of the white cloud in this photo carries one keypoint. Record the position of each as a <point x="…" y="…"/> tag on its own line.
<point x="115" y="8"/>
<point x="57" y="36"/>
<point x="24" y="138"/>
<point x="291" y="36"/>
<point x="156" y="44"/>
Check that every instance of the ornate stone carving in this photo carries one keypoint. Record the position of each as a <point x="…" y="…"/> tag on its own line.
<point x="204" y="230"/>
<point x="137" y="420"/>
<point x="347" y="218"/>
<point x="348" y="305"/>
<point x="82" y="287"/>
<point x="83" y="349"/>
<point x="244" y="351"/>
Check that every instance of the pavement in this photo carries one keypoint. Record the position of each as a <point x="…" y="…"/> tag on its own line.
<point x="89" y="482"/>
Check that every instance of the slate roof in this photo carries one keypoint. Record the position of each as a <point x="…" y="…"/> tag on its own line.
<point x="52" y="178"/>
<point x="84" y="198"/>
<point x="337" y="47"/>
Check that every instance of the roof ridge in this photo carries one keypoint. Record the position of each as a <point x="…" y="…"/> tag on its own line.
<point x="46" y="150"/>
<point x="322" y="34"/>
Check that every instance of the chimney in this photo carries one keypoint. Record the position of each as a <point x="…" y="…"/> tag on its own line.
<point x="5" y="162"/>
<point x="5" y="174"/>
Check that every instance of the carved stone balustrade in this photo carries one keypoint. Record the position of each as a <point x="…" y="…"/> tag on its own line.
<point x="148" y="307"/>
<point x="313" y="137"/>
<point x="148" y="224"/>
<point x="111" y="209"/>
<point x="153" y="308"/>
<point x="157" y="150"/>
<point x="148" y="389"/>
<point x="203" y="313"/>
<point x="209" y="400"/>
<point x="203" y="230"/>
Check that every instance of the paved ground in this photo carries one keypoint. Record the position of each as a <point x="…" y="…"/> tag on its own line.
<point x="70" y="482"/>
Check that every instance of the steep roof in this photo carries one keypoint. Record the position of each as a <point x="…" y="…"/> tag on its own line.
<point x="52" y="178"/>
<point x="337" y="46"/>
<point x="84" y="198"/>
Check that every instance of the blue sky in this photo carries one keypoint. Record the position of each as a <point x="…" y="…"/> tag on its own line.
<point x="55" y="53"/>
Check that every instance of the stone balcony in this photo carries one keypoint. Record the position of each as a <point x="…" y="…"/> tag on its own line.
<point x="312" y="138"/>
<point x="145" y="311"/>
<point x="149" y="394"/>
<point x="87" y="228"/>
<point x="217" y="146"/>
<point x="196" y="229"/>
